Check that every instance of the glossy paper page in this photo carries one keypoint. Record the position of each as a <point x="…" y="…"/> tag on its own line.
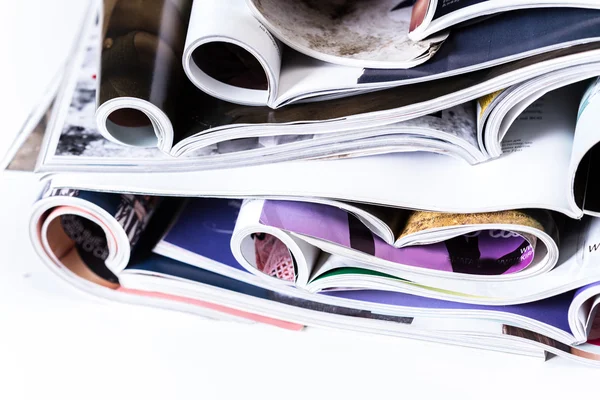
<point x="142" y="46"/>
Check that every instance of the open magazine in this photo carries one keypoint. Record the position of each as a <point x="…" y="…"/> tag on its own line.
<point x="556" y="124"/>
<point x="448" y="260"/>
<point x="181" y="120"/>
<point x="493" y="246"/>
<point x="369" y="224"/>
<point x="432" y="16"/>
<point x="241" y="62"/>
<point x="103" y="243"/>
<point x="74" y="250"/>
<point x="457" y="123"/>
<point x="503" y="266"/>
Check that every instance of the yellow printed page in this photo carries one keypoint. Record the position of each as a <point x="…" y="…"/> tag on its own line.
<point x="485" y="101"/>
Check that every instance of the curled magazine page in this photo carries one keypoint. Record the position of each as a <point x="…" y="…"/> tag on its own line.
<point x="382" y="221"/>
<point x="143" y="106"/>
<point x="433" y="16"/>
<point x="421" y="15"/>
<point x="485" y="104"/>
<point x="91" y="234"/>
<point x="75" y="139"/>
<point x="141" y="80"/>
<point x="423" y="221"/>
<point x="583" y="165"/>
<point x="270" y="252"/>
<point x="369" y="34"/>
<point x="594" y="327"/>
<point x="238" y="61"/>
<point x="583" y="312"/>
<point x="489" y="253"/>
<point x="423" y="227"/>
<point x="429" y="14"/>
<point x="273" y="258"/>
<point x="91" y="278"/>
<point x="513" y="102"/>
<point x="75" y="133"/>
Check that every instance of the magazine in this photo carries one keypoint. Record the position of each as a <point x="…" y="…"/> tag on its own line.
<point x="439" y="124"/>
<point x="532" y="274"/>
<point x="73" y="248"/>
<point x="198" y="116"/>
<point x="432" y="16"/>
<point x="259" y="70"/>
<point x="575" y="267"/>
<point x="65" y="231"/>
<point x="311" y="164"/>
<point x="421" y="180"/>
<point x="492" y="246"/>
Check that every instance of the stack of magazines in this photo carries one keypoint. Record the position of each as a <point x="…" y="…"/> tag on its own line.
<point x="422" y="169"/>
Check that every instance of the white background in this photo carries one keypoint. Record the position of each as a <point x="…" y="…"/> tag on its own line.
<point x="56" y="342"/>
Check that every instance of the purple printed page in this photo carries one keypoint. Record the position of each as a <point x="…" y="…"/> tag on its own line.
<point x="482" y="253"/>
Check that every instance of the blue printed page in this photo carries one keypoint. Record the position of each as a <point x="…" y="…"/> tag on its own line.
<point x="204" y="227"/>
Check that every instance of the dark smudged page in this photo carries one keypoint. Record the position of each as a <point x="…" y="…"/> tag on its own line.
<point x="143" y="42"/>
<point x="142" y="46"/>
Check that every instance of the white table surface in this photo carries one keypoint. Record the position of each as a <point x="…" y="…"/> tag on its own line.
<point x="57" y="342"/>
